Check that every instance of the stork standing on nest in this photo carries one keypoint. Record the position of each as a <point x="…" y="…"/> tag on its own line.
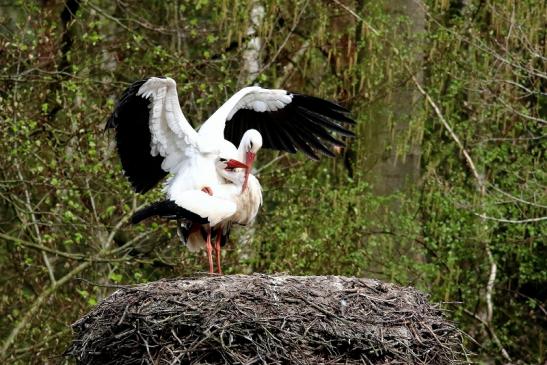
<point x="154" y="138"/>
<point x="207" y="214"/>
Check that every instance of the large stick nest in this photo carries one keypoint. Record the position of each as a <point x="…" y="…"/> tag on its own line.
<point x="266" y="319"/>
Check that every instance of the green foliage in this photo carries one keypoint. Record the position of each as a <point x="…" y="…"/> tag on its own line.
<point x="64" y="201"/>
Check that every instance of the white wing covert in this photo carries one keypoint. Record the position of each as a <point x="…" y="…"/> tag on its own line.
<point x="152" y="135"/>
<point x="172" y="135"/>
<point x="253" y="98"/>
<point x="287" y="121"/>
<point x="214" y="209"/>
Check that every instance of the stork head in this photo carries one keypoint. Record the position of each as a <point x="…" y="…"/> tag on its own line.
<point x="250" y="143"/>
<point x="231" y="169"/>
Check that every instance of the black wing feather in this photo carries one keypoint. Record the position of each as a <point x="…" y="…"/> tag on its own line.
<point x="316" y="143"/>
<point x="323" y="134"/>
<point x="323" y="107"/>
<point x="325" y="122"/>
<point x="166" y="209"/>
<point x="286" y="141"/>
<point x="300" y="142"/>
<point x="305" y="124"/>
<point x="130" y="119"/>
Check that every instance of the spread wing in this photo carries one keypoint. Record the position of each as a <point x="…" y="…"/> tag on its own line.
<point x="152" y="134"/>
<point x="287" y="121"/>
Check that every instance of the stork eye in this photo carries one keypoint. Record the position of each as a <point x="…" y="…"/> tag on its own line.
<point x="223" y="160"/>
<point x="251" y="144"/>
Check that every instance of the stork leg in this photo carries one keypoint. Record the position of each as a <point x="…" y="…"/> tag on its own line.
<point x="217" y="249"/>
<point x="208" y="244"/>
<point x="210" y="251"/>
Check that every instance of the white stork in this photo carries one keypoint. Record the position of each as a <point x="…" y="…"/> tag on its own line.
<point x="154" y="138"/>
<point x="196" y="221"/>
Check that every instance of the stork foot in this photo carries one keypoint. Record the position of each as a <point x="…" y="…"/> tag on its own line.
<point x="207" y="190"/>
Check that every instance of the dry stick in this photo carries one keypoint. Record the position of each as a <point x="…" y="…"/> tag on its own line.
<point x="490" y="287"/>
<point x="92" y="199"/>
<point x="490" y="331"/>
<point x="41" y="247"/>
<point x="525" y="116"/>
<point x="468" y="158"/>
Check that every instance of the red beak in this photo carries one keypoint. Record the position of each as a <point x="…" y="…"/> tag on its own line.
<point x="250" y="158"/>
<point x="235" y="164"/>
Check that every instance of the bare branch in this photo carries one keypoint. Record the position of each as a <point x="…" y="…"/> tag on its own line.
<point x="372" y="29"/>
<point x="518" y="199"/>
<point x="293" y="28"/>
<point x="490" y="285"/>
<point x="514" y="221"/>
<point x="456" y="139"/>
<point x="492" y="334"/>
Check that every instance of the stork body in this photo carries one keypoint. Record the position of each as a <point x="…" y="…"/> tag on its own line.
<point x="154" y="139"/>
<point x="194" y="224"/>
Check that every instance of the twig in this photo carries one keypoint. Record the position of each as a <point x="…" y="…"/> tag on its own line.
<point x="514" y="221"/>
<point x="78" y="257"/>
<point x="490" y="285"/>
<point x="284" y="43"/>
<point x="490" y="331"/>
<point x="447" y="126"/>
<point x="373" y="30"/>
<point x="262" y="168"/>
<point x="517" y="198"/>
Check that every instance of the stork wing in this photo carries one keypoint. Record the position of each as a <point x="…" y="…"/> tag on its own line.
<point x="195" y="205"/>
<point x="213" y="208"/>
<point x="152" y="134"/>
<point x="287" y="121"/>
<point x="166" y="209"/>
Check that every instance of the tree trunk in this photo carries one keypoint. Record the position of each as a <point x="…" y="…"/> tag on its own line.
<point x="392" y="159"/>
<point x="251" y="56"/>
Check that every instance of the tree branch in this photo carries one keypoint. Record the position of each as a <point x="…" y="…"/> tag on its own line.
<point x="514" y="221"/>
<point x="29" y="314"/>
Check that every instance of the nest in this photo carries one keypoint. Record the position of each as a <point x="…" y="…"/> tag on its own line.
<point x="260" y="319"/>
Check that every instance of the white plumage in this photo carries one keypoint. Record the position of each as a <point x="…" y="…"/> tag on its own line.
<point x="154" y="138"/>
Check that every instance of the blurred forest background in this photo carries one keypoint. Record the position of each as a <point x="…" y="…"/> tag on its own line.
<point x="444" y="187"/>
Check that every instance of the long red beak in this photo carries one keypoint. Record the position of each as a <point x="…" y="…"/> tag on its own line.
<point x="235" y="164"/>
<point x="250" y="159"/>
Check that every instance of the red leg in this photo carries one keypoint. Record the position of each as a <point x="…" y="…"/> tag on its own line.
<point x="209" y="245"/>
<point x="217" y="249"/>
<point x="209" y="251"/>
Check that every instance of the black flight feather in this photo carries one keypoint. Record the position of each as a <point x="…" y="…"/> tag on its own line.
<point x="305" y="124"/>
<point x="130" y="119"/>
